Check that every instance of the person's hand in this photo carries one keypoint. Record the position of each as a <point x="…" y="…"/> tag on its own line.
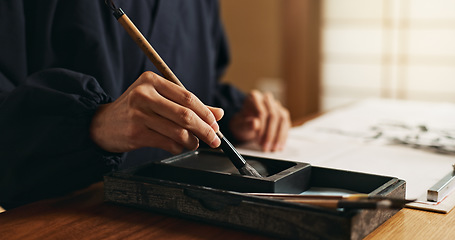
<point x="154" y="112"/>
<point x="262" y="119"/>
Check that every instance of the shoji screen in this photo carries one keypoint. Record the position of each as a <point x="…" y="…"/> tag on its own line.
<point x="402" y="49"/>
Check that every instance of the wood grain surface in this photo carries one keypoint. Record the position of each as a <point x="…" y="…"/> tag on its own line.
<point x="84" y="215"/>
<point x="417" y="224"/>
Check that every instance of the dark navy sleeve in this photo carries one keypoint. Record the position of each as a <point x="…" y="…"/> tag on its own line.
<point x="61" y="59"/>
<point x="45" y="147"/>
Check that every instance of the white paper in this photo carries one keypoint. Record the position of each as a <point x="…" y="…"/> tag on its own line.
<point x="348" y="139"/>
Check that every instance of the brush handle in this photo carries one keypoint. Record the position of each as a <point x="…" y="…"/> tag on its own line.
<point x="149" y="51"/>
<point x="162" y="67"/>
<point x="355" y="204"/>
<point x="231" y="152"/>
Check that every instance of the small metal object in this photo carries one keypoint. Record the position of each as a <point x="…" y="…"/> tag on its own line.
<point x="440" y="190"/>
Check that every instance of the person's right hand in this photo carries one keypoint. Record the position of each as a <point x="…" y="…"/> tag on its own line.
<point x="154" y="112"/>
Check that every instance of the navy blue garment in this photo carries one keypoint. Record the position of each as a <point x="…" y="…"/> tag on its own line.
<point x="61" y="59"/>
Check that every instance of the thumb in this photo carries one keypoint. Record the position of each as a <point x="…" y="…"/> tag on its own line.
<point x="251" y="124"/>
<point x="246" y="129"/>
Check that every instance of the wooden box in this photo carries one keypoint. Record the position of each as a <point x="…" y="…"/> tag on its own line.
<point x="215" y="193"/>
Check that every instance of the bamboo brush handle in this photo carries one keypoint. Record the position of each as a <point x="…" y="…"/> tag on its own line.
<point x="149" y="51"/>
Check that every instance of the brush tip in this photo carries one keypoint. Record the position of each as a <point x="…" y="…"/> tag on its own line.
<point x="248" y="170"/>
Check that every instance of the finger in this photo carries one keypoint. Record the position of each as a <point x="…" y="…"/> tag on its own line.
<point x="283" y="130"/>
<point x="217" y="112"/>
<point x="138" y="135"/>
<point x="247" y="128"/>
<point x="187" y="99"/>
<point x="150" y="100"/>
<point x="151" y="138"/>
<point x="251" y="124"/>
<point x="272" y="123"/>
<point x="256" y="100"/>
<point x="171" y="130"/>
<point x="187" y="119"/>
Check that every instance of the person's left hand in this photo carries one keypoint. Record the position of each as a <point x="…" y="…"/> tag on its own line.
<point x="262" y="119"/>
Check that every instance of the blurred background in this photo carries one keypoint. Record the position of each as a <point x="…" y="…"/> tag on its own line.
<point x="317" y="55"/>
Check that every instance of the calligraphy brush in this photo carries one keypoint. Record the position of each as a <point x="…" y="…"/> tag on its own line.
<point x="359" y="201"/>
<point x="357" y="204"/>
<point x="237" y="159"/>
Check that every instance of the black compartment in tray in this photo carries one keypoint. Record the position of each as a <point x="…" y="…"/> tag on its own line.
<point x="214" y="169"/>
<point x="204" y="185"/>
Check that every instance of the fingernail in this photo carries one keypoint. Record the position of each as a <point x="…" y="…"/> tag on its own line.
<point x="216" y="142"/>
<point x="215" y="126"/>
<point x="195" y="147"/>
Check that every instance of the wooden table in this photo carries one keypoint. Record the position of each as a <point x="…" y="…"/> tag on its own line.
<point x="84" y="215"/>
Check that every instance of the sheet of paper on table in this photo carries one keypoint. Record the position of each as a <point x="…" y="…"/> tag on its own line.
<point x="413" y="141"/>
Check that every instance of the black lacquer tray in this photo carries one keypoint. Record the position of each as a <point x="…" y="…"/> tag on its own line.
<point x="204" y="185"/>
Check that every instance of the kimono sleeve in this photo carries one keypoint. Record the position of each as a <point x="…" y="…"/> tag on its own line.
<point x="45" y="145"/>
